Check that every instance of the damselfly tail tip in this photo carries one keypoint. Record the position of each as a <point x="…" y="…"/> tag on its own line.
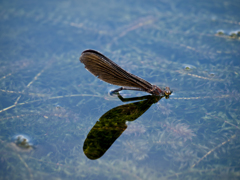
<point x="113" y="92"/>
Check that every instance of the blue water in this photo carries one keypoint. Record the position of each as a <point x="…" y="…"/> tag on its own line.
<point x="58" y="120"/>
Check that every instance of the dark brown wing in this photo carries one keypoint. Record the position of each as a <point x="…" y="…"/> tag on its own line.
<point x="110" y="72"/>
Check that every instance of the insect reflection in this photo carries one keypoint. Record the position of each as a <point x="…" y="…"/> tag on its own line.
<point x="113" y="123"/>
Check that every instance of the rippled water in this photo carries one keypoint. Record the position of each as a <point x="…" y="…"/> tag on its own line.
<point x="49" y="103"/>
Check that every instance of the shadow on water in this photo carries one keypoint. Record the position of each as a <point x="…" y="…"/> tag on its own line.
<point x="113" y="123"/>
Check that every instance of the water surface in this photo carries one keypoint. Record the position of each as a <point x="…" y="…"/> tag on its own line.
<point x="49" y="103"/>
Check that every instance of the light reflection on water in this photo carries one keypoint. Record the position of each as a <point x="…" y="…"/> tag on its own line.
<point x="47" y="94"/>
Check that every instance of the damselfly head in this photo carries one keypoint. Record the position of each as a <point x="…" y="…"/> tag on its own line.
<point x="167" y="91"/>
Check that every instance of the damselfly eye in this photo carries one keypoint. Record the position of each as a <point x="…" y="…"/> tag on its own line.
<point x="167" y="91"/>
